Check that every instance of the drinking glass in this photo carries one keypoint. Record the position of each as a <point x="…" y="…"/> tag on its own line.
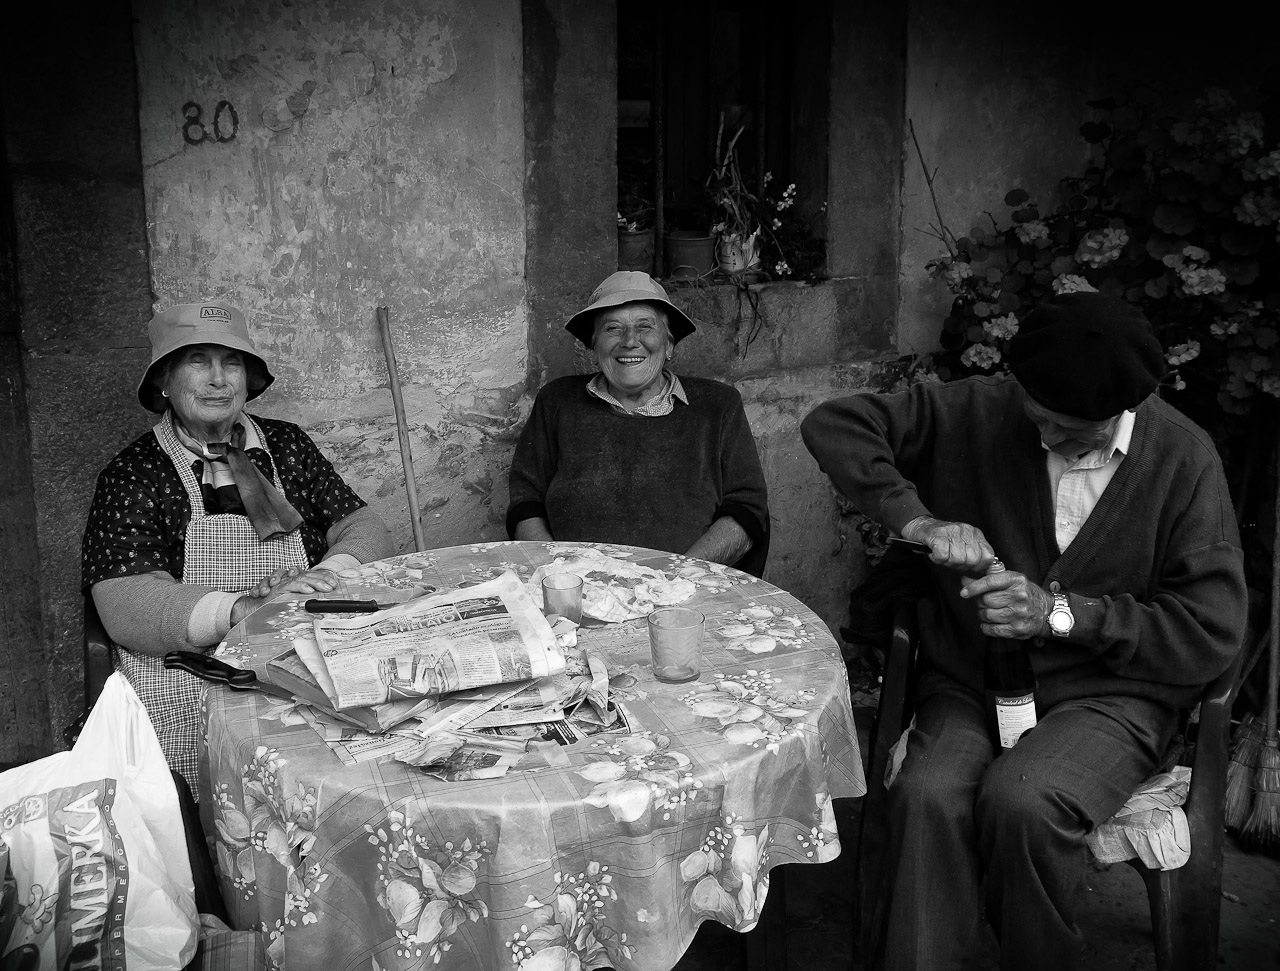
<point x="675" y="638"/>
<point x="562" y="594"/>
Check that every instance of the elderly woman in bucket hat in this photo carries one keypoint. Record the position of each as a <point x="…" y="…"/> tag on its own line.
<point x="210" y="514"/>
<point x="636" y="454"/>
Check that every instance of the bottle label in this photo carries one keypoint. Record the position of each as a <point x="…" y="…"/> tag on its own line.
<point x="1015" y="714"/>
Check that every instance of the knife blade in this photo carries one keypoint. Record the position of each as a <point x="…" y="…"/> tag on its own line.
<point x="209" y="668"/>
<point x="910" y="545"/>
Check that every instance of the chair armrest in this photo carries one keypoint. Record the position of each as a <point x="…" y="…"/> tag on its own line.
<point x="895" y="709"/>
<point x="1205" y="798"/>
<point x="98" y="648"/>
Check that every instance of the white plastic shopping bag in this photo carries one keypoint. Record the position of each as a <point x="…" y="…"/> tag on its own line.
<point x="100" y="876"/>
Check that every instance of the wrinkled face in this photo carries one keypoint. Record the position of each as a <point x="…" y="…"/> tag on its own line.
<point x="1069" y="436"/>
<point x="632" y="344"/>
<point x="207" y="386"/>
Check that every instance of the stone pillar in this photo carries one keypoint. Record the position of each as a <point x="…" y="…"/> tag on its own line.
<point x="71" y="144"/>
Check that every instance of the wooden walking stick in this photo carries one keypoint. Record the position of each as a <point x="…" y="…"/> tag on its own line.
<point x="402" y="427"/>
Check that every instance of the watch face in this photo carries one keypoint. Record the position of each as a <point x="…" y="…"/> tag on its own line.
<point x="1060" y="621"/>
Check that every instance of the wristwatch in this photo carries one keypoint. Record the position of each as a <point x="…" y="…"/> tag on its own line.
<point x="1061" y="619"/>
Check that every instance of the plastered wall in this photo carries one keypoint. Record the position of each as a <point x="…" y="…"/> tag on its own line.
<point x="313" y="161"/>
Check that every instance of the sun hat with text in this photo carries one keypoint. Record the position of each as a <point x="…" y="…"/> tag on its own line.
<point x="210" y="322"/>
<point x="628" y="286"/>
<point x="1087" y="355"/>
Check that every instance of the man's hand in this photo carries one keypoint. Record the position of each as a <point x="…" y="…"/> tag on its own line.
<point x="956" y="545"/>
<point x="1009" y="605"/>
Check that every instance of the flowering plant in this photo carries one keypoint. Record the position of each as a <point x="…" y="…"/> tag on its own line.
<point x="758" y="232"/>
<point x="1177" y="214"/>
<point x="634" y="213"/>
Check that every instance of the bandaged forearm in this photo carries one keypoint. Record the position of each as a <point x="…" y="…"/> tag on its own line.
<point x="152" y="612"/>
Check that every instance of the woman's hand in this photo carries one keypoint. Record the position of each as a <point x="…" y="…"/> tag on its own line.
<point x="284" y="580"/>
<point x="1009" y="605"/>
<point x="292" y="580"/>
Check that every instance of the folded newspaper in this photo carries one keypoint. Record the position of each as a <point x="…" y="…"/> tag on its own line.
<point x="490" y="633"/>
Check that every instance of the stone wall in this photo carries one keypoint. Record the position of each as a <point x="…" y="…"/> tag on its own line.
<point x="312" y="161"/>
<point x="79" y="257"/>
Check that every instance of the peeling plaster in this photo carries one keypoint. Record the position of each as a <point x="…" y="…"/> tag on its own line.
<point x="366" y="154"/>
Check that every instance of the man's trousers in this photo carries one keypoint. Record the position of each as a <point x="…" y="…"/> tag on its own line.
<point x="968" y="829"/>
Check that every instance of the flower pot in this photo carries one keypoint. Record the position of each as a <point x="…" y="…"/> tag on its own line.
<point x="737" y="255"/>
<point x="635" y="250"/>
<point x="689" y="254"/>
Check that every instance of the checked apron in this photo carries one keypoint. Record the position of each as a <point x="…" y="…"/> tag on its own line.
<point x="222" y="551"/>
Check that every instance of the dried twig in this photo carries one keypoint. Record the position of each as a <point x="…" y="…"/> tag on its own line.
<point x="940" y="231"/>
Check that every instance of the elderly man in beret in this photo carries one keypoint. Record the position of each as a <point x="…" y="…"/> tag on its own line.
<point x="1124" y="573"/>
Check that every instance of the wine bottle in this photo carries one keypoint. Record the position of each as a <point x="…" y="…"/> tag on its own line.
<point x="1010" y="685"/>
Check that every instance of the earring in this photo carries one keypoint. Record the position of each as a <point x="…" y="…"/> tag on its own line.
<point x="164" y="394"/>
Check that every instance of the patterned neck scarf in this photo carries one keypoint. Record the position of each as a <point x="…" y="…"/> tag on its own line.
<point x="238" y="487"/>
<point x="663" y="403"/>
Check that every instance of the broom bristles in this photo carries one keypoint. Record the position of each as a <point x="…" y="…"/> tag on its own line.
<point x="1241" y="770"/>
<point x="1262" y="829"/>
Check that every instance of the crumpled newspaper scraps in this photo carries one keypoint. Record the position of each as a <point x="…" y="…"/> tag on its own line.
<point x="614" y="590"/>
<point x="1150" y="826"/>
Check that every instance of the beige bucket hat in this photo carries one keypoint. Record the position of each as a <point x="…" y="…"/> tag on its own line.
<point x="628" y="286"/>
<point x="210" y="322"/>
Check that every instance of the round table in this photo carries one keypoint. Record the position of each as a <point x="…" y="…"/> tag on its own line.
<point x="611" y="859"/>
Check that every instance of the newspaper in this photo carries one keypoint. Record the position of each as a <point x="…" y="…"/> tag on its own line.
<point x="490" y="633"/>
<point x="450" y="713"/>
<point x="464" y="755"/>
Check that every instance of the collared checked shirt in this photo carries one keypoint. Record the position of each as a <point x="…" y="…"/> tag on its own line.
<point x="657" y="406"/>
<point x="1077" y="486"/>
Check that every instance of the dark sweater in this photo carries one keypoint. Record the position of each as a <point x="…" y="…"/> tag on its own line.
<point x="1155" y="577"/>
<point x="599" y="476"/>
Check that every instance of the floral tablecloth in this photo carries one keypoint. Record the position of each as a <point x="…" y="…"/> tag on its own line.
<point x="610" y="860"/>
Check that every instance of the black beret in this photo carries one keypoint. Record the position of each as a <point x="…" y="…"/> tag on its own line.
<point x="1086" y="355"/>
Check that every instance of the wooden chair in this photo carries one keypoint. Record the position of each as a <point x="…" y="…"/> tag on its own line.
<point x="1185" y="903"/>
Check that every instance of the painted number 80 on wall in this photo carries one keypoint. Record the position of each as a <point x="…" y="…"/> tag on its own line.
<point x="223" y="128"/>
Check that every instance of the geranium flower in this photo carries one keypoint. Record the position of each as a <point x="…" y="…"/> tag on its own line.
<point x="1001" y="328"/>
<point x="1072" y="283"/>
<point x="1099" y="247"/>
<point x="980" y="356"/>
<point x="1201" y="280"/>
<point x="1258" y="208"/>
<point x="1029" y="232"/>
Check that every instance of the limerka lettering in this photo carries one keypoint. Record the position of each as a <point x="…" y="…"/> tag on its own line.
<point x="85" y="829"/>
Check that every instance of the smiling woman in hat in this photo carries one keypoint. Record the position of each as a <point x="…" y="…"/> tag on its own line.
<point x="635" y="454"/>
<point x="210" y="514"/>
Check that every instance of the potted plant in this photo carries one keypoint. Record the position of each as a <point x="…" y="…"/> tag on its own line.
<point x="737" y="229"/>
<point x="635" y="234"/>
<point x="749" y="226"/>
<point x="691" y="253"/>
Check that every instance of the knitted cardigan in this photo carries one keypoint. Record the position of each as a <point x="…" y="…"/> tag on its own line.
<point x="1155" y="577"/>
<point x="658" y="482"/>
